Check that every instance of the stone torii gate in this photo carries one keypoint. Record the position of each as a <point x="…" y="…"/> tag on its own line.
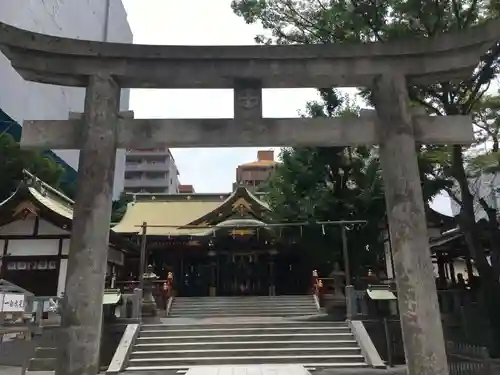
<point x="104" y="68"/>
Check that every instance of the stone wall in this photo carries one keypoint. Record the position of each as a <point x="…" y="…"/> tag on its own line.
<point x="18" y="352"/>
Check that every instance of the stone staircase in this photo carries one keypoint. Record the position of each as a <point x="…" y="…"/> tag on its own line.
<point x="232" y="341"/>
<point x="275" y="306"/>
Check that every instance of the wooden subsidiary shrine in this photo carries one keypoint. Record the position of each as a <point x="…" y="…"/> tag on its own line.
<point x="35" y="231"/>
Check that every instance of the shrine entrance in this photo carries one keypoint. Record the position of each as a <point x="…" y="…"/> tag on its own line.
<point x="386" y="68"/>
<point x="292" y="275"/>
<point x="241" y="274"/>
<point x="193" y="278"/>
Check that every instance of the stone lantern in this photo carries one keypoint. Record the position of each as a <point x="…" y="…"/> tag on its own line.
<point x="149" y="307"/>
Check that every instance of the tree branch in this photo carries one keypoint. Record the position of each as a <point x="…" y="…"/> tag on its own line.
<point x="371" y="26"/>
<point x="452" y="195"/>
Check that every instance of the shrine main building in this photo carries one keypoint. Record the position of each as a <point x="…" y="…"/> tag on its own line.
<point x="214" y="244"/>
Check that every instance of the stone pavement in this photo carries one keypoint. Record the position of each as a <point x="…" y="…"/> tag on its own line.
<point x="249" y="370"/>
<point x="289" y="370"/>
<point x="4" y="370"/>
<point x="398" y="370"/>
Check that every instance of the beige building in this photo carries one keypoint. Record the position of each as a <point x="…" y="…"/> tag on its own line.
<point x="252" y="175"/>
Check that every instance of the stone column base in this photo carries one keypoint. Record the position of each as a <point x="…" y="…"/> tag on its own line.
<point x="212" y="291"/>
<point x="149" y="309"/>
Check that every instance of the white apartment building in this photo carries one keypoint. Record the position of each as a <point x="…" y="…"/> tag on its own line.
<point x="151" y="171"/>
<point x="98" y="20"/>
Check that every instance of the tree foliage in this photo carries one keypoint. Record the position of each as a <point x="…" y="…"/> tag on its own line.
<point x="119" y="207"/>
<point x="13" y="161"/>
<point x="322" y="21"/>
<point x="337" y="183"/>
<point x="321" y="184"/>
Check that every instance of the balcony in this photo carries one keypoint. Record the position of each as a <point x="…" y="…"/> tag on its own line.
<point x="147" y="182"/>
<point x="147" y="167"/>
<point x="149" y="152"/>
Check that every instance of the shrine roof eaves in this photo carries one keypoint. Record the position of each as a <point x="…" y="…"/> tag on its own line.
<point x="54" y="203"/>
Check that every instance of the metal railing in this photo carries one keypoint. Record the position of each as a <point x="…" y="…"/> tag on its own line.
<point x="450" y="302"/>
<point x="467" y="359"/>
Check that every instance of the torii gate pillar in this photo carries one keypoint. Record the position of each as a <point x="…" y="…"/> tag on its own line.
<point x="82" y="304"/>
<point x="417" y="296"/>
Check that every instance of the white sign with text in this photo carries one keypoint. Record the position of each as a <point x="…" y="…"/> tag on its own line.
<point x="12" y="302"/>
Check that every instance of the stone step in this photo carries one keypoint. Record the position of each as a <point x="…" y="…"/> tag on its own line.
<point x="245" y="303"/>
<point x="239" y="309"/>
<point x="208" y="313"/>
<point x="262" y="308"/>
<point x="174" y="345"/>
<point x="239" y="330"/>
<point x="246" y="352"/>
<point x="311" y="365"/>
<point x="243" y="324"/>
<point x="240" y="360"/>
<point x="246" y="337"/>
<point x="248" y="298"/>
<point x="42" y="364"/>
<point x="45" y="353"/>
<point x="183" y="371"/>
<point x="268" y="306"/>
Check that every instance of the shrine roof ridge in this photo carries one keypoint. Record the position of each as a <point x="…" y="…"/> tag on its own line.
<point x="166" y="197"/>
<point x="57" y="60"/>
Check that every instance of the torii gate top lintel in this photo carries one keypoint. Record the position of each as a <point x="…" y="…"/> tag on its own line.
<point x="69" y="62"/>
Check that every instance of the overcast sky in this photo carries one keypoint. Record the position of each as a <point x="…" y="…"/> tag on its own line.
<point x="205" y="22"/>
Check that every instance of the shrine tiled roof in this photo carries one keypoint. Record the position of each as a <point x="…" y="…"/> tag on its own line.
<point x="170" y="214"/>
<point x="33" y="196"/>
<point x="188" y="214"/>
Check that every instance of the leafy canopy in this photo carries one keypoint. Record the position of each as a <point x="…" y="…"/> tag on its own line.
<point x="14" y="160"/>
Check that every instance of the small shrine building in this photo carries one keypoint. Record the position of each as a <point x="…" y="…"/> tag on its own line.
<point x="35" y="231"/>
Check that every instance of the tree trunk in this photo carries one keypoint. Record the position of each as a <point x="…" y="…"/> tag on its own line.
<point x="489" y="285"/>
<point x="494" y="235"/>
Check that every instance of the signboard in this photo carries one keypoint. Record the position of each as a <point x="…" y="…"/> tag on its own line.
<point x="381" y="294"/>
<point x="12" y="302"/>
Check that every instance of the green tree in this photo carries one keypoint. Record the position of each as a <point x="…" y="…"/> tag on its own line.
<point x="330" y="184"/>
<point x="321" y="21"/>
<point x="336" y="183"/>
<point x="119" y="207"/>
<point x="13" y="161"/>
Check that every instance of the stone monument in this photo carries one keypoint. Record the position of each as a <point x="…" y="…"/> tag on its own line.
<point x="104" y="68"/>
